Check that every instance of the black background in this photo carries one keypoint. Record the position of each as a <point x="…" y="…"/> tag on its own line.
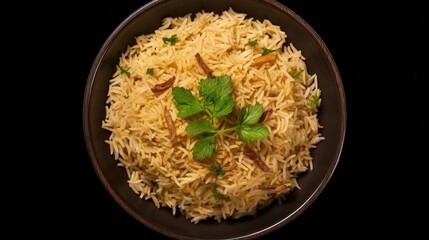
<point x="50" y="183"/>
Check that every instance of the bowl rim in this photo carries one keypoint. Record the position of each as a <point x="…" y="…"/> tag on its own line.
<point x="119" y="200"/>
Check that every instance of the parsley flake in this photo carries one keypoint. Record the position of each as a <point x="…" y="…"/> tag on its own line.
<point x="216" y="194"/>
<point x="159" y="195"/>
<point x="296" y="74"/>
<point x="314" y="102"/>
<point x="124" y="71"/>
<point x="217" y="170"/>
<point x="252" y="43"/>
<point x="267" y="51"/>
<point x="149" y="71"/>
<point x="172" y="40"/>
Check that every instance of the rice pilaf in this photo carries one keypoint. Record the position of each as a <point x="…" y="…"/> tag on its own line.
<point x="165" y="171"/>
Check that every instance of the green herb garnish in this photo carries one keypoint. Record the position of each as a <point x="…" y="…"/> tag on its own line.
<point x="205" y="147"/>
<point x="296" y="74"/>
<point x="216" y="194"/>
<point x="267" y="51"/>
<point x="248" y="128"/>
<point x="216" y="94"/>
<point x="124" y="71"/>
<point x="252" y="43"/>
<point x="314" y="102"/>
<point x="172" y="40"/>
<point x="159" y="195"/>
<point x="149" y="71"/>
<point x="200" y="126"/>
<point x="217" y="170"/>
<point x="216" y="102"/>
<point x="186" y="103"/>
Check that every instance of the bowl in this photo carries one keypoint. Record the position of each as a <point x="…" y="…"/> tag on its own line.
<point x="332" y="116"/>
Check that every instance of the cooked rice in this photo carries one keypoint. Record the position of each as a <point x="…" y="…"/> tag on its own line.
<point x="167" y="173"/>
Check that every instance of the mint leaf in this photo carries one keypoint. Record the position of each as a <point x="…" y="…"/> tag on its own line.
<point x="251" y="115"/>
<point x="207" y="88"/>
<point x="185" y="102"/>
<point x="200" y="126"/>
<point x="213" y="89"/>
<point x="267" y="51"/>
<point x="217" y="103"/>
<point x="241" y="115"/>
<point x="216" y="93"/>
<point x="224" y="86"/>
<point x="204" y="148"/>
<point x="252" y="133"/>
<point x="222" y="107"/>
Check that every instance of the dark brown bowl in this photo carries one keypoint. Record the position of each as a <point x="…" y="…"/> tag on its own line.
<point x="332" y="116"/>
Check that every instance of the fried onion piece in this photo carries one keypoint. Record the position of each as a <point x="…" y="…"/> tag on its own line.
<point x="265" y="115"/>
<point x="163" y="86"/>
<point x="263" y="59"/>
<point x="170" y="126"/>
<point x="203" y="65"/>
<point x="255" y="157"/>
<point x="278" y="188"/>
<point x="231" y="166"/>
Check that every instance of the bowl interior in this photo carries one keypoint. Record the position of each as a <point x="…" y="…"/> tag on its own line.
<point x="332" y="117"/>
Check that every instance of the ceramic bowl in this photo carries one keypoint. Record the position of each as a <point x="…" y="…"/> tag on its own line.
<point x="332" y="117"/>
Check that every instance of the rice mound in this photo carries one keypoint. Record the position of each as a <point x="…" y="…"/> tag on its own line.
<point x="167" y="173"/>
